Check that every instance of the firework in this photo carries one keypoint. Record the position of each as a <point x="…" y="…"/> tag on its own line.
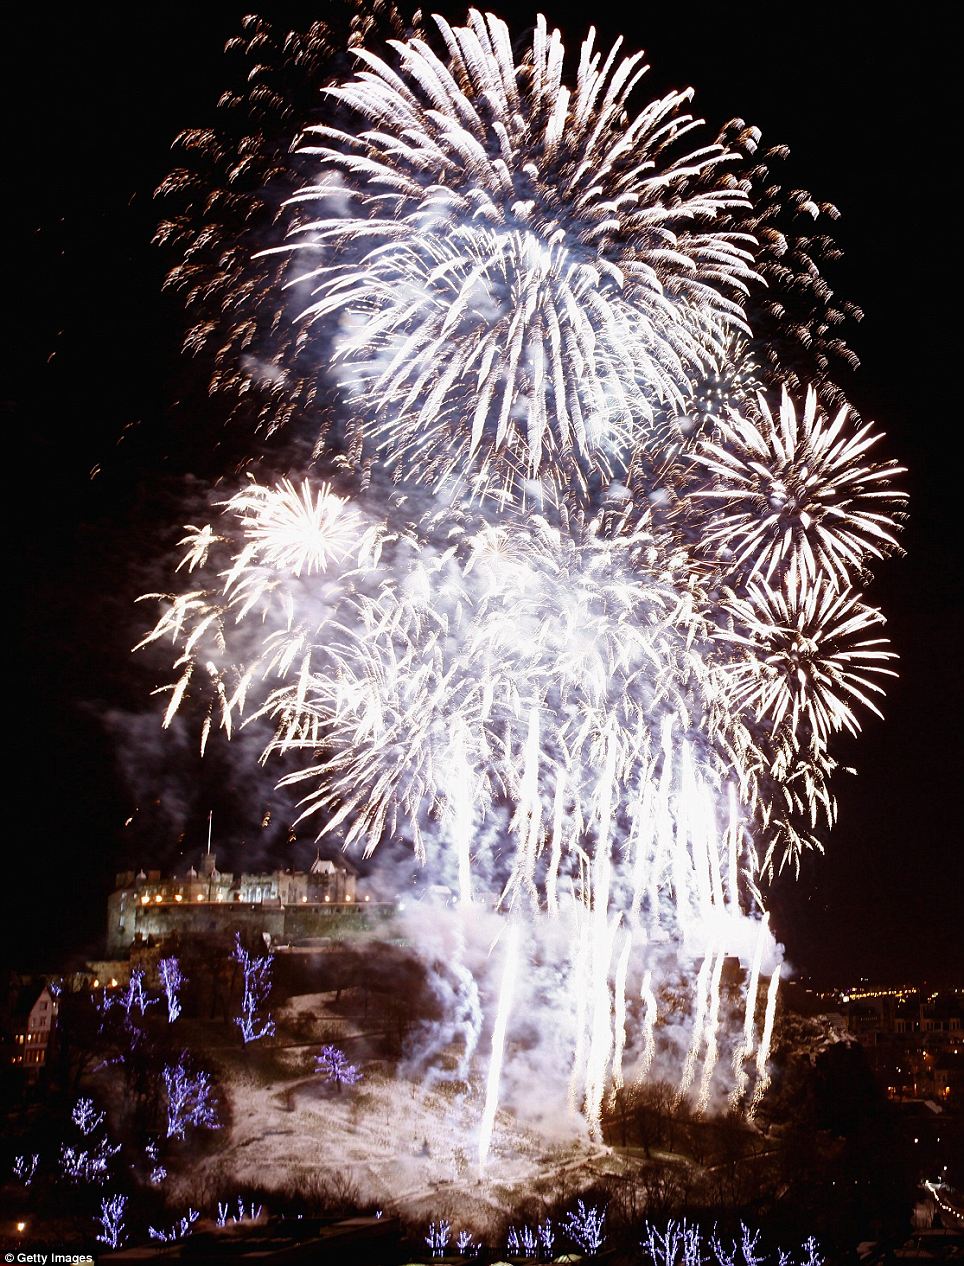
<point x="523" y="273"/>
<point x="797" y="495"/>
<point x="797" y="322"/>
<point x="589" y="656"/>
<point x="498" y="1043"/>
<point x="222" y="209"/>
<point x="809" y="664"/>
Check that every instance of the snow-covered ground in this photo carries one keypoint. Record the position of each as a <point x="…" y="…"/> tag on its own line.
<point x="391" y="1143"/>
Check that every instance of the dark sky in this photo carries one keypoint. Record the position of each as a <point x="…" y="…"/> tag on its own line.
<point x="96" y="99"/>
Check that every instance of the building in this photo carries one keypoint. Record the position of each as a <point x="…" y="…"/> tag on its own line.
<point x="286" y="905"/>
<point x="948" y="1077"/>
<point x="914" y="1040"/>
<point x="34" y="1025"/>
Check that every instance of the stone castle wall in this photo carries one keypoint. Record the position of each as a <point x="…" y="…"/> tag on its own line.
<point x="288" y="905"/>
<point x="284" y="924"/>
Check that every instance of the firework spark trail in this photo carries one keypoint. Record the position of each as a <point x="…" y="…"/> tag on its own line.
<point x="712" y="1024"/>
<point x="733" y="844"/>
<point x="509" y="973"/>
<point x="468" y="1016"/>
<point x="528" y="820"/>
<point x="649" y="1028"/>
<point x="745" y="1048"/>
<point x="763" y="1051"/>
<point x="603" y="926"/>
<point x="619" y="1019"/>
<point x="701" y="990"/>
<point x="552" y="873"/>
<point x="589" y="657"/>
<point x="461" y="801"/>
<point x="581" y="962"/>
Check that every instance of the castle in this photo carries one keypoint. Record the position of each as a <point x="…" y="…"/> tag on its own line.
<point x="287" y="905"/>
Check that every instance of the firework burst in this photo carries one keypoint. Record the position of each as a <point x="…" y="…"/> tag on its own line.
<point x="521" y="275"/>
<point x="589" y="655"/>
<point x="797" y="321"/>
<point x="223" y="211"/>
<point x="797" y="495"/>
<point x="810" y="664"/>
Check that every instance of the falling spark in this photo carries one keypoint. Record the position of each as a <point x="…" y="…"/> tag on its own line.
<point x="649" y="1027"/>
<point x="763" y="1051"/>
<point x="699" y="1027"/>
<point x="619" y="1025"/>
<point x="745" y="1048"/>
<point x="509" y="972"/>
<point x="712" y="1024"/>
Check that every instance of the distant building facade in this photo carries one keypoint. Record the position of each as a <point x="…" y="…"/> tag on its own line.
<point x="287" y="905"/>
<point x="914" y="1041"/>
<point x="34" y="1028"/>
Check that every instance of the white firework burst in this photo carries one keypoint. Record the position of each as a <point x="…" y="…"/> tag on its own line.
<point x="809" y="664"/>
<point x="456" y="661"/>
<point x="520" y="269"/>
<point x="284" y="558"/>
<point x="296" y="530"/>
<point x="797" y="495"/>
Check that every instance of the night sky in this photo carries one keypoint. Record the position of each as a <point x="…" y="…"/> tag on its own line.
<point x="95" y="380"/>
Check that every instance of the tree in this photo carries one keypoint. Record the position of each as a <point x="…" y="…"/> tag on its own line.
<point x="189" y="1100"/>
<point x="334" y="1064"/>
<point x="257" y="986"/>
